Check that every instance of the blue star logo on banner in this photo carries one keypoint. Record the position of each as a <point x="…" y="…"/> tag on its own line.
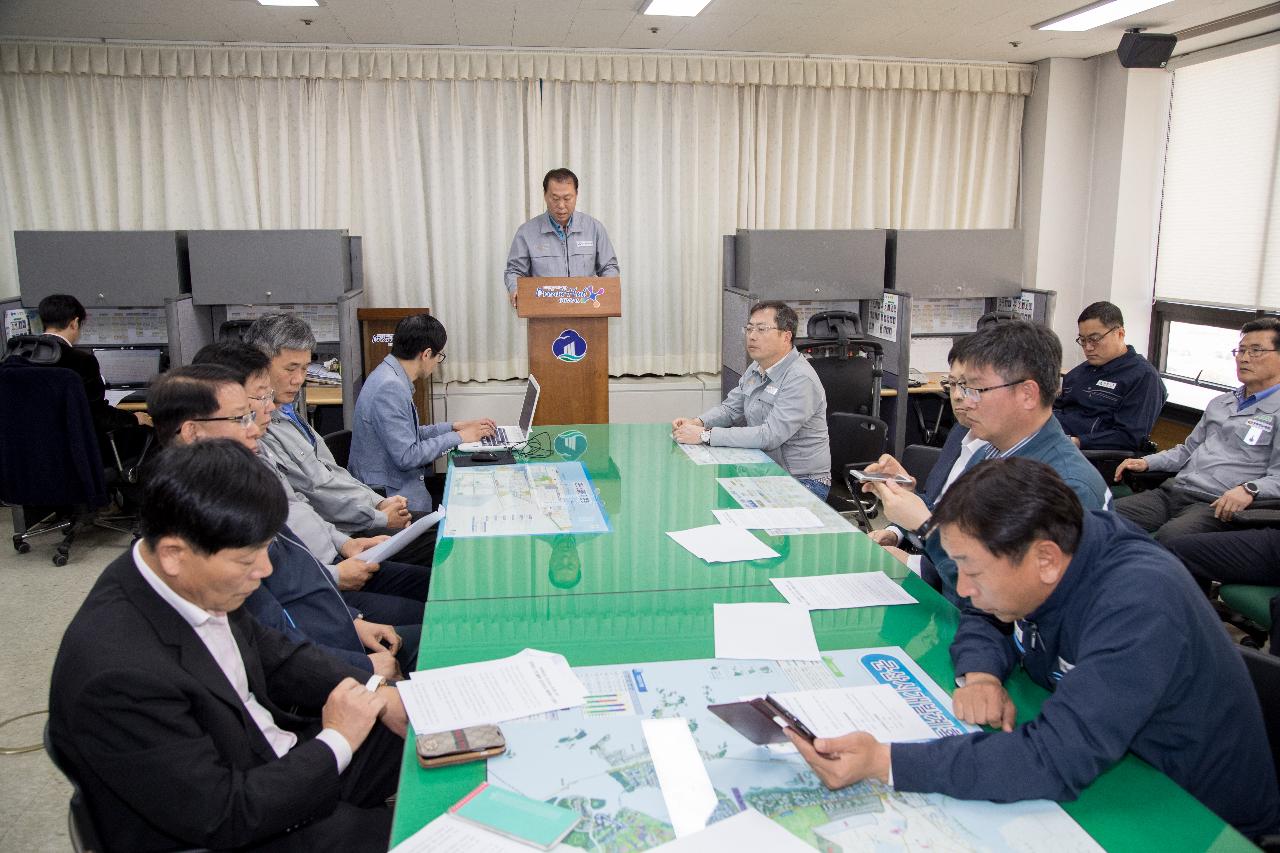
<point x="570" y="346"/>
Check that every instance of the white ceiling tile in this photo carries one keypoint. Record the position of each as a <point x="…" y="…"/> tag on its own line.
<point x="597" y="28"/>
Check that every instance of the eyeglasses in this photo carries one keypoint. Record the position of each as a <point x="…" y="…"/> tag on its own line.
<point x="440" y="357"/>
<point x="758" y="327"/>
<point x="1252" y="352"/>
<point x="264" y="399"/>
<point x="246" y="420"/>
<point x="975" y="394"/>
<point x="1094" y="340"/>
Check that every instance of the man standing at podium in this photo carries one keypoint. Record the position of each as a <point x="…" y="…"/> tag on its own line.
<point x="561" y="242"/>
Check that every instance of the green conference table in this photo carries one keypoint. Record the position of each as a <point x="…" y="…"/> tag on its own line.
<point x="642" y="609"/>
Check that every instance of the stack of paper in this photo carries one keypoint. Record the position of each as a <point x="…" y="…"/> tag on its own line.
<point x="454" y="697"/>
<point x="716" y="543"/>
<point x="835" y="592"/>
<point x="764" y="632"/>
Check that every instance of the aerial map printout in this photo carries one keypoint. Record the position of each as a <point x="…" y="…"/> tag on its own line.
<point x="522" y="500"/>
<point x="594" y="760"/>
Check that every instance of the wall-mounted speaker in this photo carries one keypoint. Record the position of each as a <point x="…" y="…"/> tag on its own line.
<point x="1145" y="50"/>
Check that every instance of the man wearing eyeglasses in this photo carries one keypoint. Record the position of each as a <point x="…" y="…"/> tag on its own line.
<point x="1231" y="456"/>
<point x="389" y="448"/>
<point x="1110" y="400"/>
<point x="779" y="405"/>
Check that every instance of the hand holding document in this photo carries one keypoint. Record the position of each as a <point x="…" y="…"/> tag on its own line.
<point x="836" y="592"/>
<point x="767" y="518"/>
<point x="876" y="709"/>
<point x="454" y="697"/>
<point x="717" y="543"/>
<point x="388" y="548"/>
<point x="764" y="631"/>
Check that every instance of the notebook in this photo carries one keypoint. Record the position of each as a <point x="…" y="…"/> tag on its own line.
<point x="506" y="437"/>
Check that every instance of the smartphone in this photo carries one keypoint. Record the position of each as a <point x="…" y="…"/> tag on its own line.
<point x="864" y="477"/>
<point x="793" y="722"/>
<point x="460" y="746"/>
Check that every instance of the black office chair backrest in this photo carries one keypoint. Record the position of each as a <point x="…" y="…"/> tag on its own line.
<point x="849" y="383"/>
<point x="919" y="460"/>
<point x="84" y="837"/>
<point x="834" y="326"/>
<point x="37" y="349"/>
<point x="992" y="317"/>
<point x="339" y="444"/>
<point x="1264" y="671"/>
<point x="855" y="439"/>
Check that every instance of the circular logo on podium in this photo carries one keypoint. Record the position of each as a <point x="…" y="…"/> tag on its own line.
<point x="570" y="346"/>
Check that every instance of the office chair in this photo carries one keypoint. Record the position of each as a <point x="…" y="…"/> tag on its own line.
<point x="856" y="442"/>
<point x="850" y="367"/>
<point x="1261" y="512"/>
<point x="339" y="444"/>
<point x="50" y="464"/>
<point x="1251" y="609"/>
<point x="919" y="460"/>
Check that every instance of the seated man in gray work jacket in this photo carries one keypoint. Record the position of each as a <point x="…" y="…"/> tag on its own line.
<point x="562" y="242"/>
<point x="1106" y="620"/>
<point x="1231" y="456"/>
<point x="779" y="405"/>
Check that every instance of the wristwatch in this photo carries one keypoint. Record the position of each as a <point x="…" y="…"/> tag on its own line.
<point x="706" y="436"/>
<point x="1251" y="488"/>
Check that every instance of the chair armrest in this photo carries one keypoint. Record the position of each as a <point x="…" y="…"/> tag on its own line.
<point x="1102" y="454"/>
<point x="1260" y="513"/>
<point x="1146" y="480"/>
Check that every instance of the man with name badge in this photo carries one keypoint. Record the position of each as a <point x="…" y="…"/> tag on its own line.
<point x="562" y="242"/>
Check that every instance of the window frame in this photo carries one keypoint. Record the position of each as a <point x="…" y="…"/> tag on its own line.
<point x="1165" y="312"/>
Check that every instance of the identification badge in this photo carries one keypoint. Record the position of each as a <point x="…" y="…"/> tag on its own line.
<point x="1262" y="422"/>
<point x="1253" y="436"/>
<point x="1102" y="383"/>
<point x="771" y="389"/>
<point x="586" y="244"/>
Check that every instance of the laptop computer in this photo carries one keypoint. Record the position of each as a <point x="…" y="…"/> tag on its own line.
<point x="128" y="367"/>
<point x="507" y="437"/>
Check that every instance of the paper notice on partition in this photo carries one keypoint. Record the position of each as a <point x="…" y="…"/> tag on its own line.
<point x="882" y="319"/>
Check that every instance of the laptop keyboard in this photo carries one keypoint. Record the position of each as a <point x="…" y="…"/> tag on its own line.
<point x="499" y="437"/>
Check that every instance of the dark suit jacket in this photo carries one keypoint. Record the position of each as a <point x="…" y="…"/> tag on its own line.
<point x="942" y="468"/>
<point x="164" y="750"/>
<point x="106" y="417"/>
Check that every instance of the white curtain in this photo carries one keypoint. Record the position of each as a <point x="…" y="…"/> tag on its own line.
<point x="434" y="157"/>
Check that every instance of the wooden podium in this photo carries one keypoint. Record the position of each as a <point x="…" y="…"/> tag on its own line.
<point x="569" y="345"/>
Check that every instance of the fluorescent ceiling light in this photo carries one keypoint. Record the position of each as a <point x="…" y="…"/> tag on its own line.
<point x="675" y="8"/>
<point x="288" y="2"/>
<point x="1096" y="14"/>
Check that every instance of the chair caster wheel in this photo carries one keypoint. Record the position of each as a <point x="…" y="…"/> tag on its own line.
<point x="22" y="547"/>
<point x="60" y="559"/>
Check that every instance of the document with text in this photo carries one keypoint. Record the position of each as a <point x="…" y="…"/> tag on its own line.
<point x="836" y="592"/>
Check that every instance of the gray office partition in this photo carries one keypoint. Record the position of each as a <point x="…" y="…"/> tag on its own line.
<point x="349" y="352"/>
<point x="103" y="269"/>
<point x="269" y="267"/>
<point x="190" y="328"/>
<point x="956" y="264"/>
<point x="809" y="264"/>
<point x="888" y="322"/>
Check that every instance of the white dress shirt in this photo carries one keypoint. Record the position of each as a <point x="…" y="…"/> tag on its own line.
<point x="969" y="445"/>
<point x="214" y="631"/>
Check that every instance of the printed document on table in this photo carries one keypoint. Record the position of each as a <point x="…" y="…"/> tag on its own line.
<point x="783" y="491"/>
<point x="877" y="709"/>
<point x="770" y="518"/>
<point x="447" y="834"/>
<point x="454" y="697"/>
<point x="716" y="543"/>
<point x="387" y="549"/>
<point x="764" y="632"/>
<point x="701" y="454"/>
<point x="836" y="592"/>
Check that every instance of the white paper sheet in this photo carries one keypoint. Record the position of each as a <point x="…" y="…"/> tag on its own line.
<point x="387" y="549"/>
<point x="716" y="543"/>
<point x="764" y="632"/>
<point x="746" y="832"/>
<point x="876" y="709"/>
<point x="682" y="777"/>
<point x="447" y="834"/>
<point x="114" y="397"/>
<point x="835" y="592"/>
<point x="701" y="454"/>
<point x="454" y="697"/>
<point x="770" y="518"/>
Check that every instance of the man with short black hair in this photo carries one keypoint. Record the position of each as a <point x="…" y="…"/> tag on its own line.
<point x="1005" y="391"/>
<point x="562" y="242"/>
<point x="187" y="723"/>
<point x="389" y="449"/>
<point x="1111" y="399"/>
<point x="779" y="405"/>
<point x="1230" y="458"/>
<point x="1106" y="620"/>
<point x="63" y="318"/>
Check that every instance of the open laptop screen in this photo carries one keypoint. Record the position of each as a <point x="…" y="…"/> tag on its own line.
<point x="531" y="392"/>
<point x="128" y="368"/>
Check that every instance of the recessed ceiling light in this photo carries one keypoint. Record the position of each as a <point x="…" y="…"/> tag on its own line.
<point x="1096" y="14"/>
<point x="288" y="2"/>
<point x="675" y="8"/>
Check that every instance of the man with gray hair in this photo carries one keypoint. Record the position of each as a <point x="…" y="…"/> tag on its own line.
<point x="779" y="405"/>
<point x="301" y="454"/>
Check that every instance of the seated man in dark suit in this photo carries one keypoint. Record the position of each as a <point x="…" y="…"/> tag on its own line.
<point x="64" y="317"/>
<point x="185" y="721"/>
<point x="301" y="597"/>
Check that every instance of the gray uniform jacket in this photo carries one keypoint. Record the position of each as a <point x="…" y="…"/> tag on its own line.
<point x="320" y="537"/>
<point x="539" y="252"/>
<point x="782" y="411"/>
<point x="1227" y="448"/>
<point x="338" y="497"/>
